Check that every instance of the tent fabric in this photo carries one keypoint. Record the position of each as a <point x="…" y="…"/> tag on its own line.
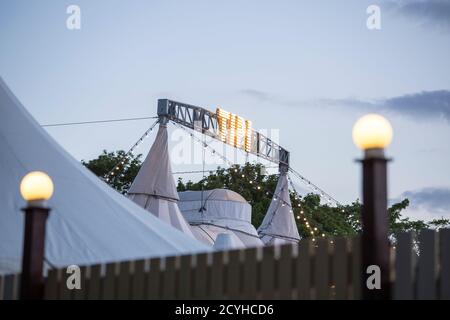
<point x="155" y="176"/>
<point x="279" y="225"/>
<point x="224" y="241"/>
<point x="154" y="186"/>
<point x="208" y="234"/>
<point x="89" y="222"/>
<point x="164" y="209"/>
<point x="223" y="211"/>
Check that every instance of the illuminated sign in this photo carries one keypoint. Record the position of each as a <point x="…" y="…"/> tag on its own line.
<point x="234" y="130"/>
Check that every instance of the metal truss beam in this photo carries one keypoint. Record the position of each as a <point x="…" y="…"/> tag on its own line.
<point x="205" y="121"/>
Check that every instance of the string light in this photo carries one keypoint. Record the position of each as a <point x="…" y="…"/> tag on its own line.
<point x="275" y="197"/>
<point x="322" y="193"/>
<point x="124" y="160"/>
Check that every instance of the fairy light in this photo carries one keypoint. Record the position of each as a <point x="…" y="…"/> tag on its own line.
<point x="254" y="183"/>
<point x="322" y="193"/>
<point x="121" y="164"/>
<point x="307" y="224"/>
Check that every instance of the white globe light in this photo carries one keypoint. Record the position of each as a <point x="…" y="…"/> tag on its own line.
<point x="36" y="185"/>
<point x="372" y="131"/>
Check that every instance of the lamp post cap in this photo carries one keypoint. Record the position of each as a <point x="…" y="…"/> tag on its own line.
<point x="36" y="186"/>
<point x="372" y="131"/>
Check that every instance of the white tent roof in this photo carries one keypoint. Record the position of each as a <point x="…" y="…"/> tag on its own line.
<point x="225" y="211"/>
<point x="90" y="222"/>
<point x="154" y="186"/>
<point x="208" y="234"/>
<point x="279" y="222"/>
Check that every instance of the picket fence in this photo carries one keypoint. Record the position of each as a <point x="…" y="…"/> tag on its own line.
<point x="324" y="269"/>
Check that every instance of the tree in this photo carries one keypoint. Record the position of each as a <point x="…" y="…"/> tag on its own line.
<point x="313" y="218"/>
<point x="440" y="223"/>
<point x="105" y="162"/>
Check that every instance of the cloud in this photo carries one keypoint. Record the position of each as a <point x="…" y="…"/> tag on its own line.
<point x="420" y="105"/>
<point x="434" y="201"/>
<point x="427" y="103"/>
<point x="267" y="97"/>
<point x="256" y="94"/>
<point x="430" y="13"/>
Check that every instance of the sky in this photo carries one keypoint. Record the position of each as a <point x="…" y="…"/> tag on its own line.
<point x="306" y="69"/>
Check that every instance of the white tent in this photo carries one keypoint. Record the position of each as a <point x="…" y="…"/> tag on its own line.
<point x="279" y="222"/>
<point x="90" y="222"/>
<point x="154" y="186"/>
<point x="224" y="211"/>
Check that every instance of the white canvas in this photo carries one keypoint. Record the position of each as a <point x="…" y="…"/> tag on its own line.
<point x="154" y="186"/>
<point x="89" y="222"/>
<point x="279" y="224"/>
<point x="225" y="211"/>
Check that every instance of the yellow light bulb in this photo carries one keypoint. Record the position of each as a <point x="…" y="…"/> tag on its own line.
<point x="36" y="185"/>
<point x="372" y="131"/>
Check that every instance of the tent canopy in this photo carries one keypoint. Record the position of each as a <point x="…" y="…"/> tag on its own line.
<point x="279" y="221"/>
<point x="90" y="222"/>
<point x="223" y="211"/>
<point x="154" y="186"/>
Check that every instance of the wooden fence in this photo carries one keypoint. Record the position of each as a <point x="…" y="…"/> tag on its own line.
<point x="324" y="269"/>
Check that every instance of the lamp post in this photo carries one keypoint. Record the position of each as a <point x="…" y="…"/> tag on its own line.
<point x="373" y="133"/>
<point x="36" y="188"/>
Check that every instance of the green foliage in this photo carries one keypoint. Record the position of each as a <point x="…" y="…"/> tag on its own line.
<point x="106" y="161"/>
<point x="440" y="223"/>
<point x="252" y="182"/>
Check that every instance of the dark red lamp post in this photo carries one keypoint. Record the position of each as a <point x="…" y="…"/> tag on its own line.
<point x="36" y="188"/>
<point x="373" y="133"/>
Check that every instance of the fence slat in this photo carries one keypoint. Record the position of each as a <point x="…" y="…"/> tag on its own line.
<point x="123" y="281"/>
<point x="81" y="294"/>
<point x="11" y="287"/>
<point x="138" y="280"/>
<point x="109" y="282"/>
<point x="94" y="283"/>
<point x="64" y="292"/>
<point x="233" y="275"/>
<point x="153" y="280"/>
<point x="51" y="285"/>
<point x="404" y="284"/>
<point x="8" y="287"/>
<point x="340" y="268"/>
<point x="303" y="269"/>
<point x="444" y="283"/>
<point x="185" y="277"/>
<point x="356" y="268"/>
<point x="200" y="271"/>
<point x="249" y="274"/>
<point x="322" y="284"/>
<point x="168" y="284"/>
<point x="426" y="277"/>
<point x="285" y="272"/>
<point x="217" y="272"/>
<point x="2" y="283"/>
<point x="268" y="273"/>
